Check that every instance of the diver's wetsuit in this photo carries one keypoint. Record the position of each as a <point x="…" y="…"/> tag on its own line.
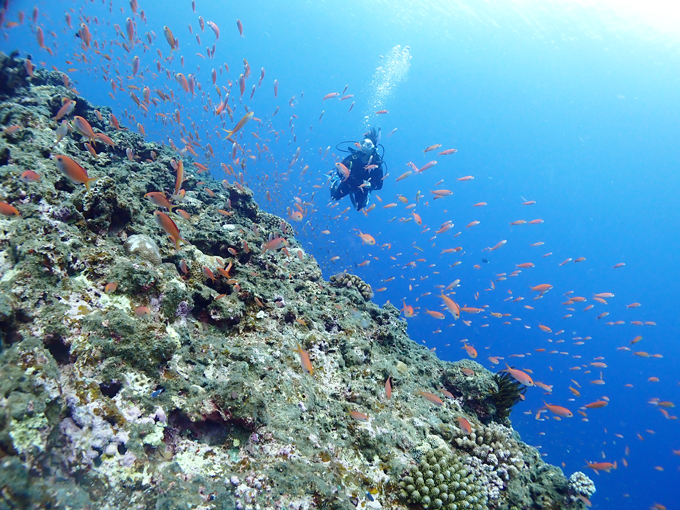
<point x="357" y="175"/>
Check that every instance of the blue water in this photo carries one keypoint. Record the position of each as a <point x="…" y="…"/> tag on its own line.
<point x="574" y="107"/>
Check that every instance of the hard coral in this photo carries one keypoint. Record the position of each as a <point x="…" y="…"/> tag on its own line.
<point x="350" y="281"/>
<point x="495" y="456"/>
<point x="580" y="485"/>
<point x="442" y="480"/>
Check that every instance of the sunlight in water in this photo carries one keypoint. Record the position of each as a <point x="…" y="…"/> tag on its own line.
<point x="661" y="15"/>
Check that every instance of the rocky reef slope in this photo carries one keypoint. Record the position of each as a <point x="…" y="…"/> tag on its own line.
<point x="185" y="384"/>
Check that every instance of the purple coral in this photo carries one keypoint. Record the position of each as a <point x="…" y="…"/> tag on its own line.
<point x="183" y="310"/>
<point x="61" y="214"/>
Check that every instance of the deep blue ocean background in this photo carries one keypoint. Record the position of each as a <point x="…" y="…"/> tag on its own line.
<point x="573" y="104"/>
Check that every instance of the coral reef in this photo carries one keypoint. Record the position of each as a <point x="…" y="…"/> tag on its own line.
<point x="496" y="456"/>
<point x="442" y="480"/>
<point x="580" y="485"/>
<point x="180" y="386"/>
<point x="352" y="281"/>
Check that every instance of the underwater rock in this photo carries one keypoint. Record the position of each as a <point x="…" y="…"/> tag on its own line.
<point x="216" y="374"/>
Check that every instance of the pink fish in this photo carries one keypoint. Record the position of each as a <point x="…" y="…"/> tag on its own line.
<point x="426" y="166"/>
<point x="274" y="244"/>
<point x="215" y="29"/>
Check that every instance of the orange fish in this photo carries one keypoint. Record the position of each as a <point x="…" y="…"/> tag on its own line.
<point x="103" y="138"/>
<point x="143" y="311"/>
<point x="304" y="360"/>
<point x="441" y="192"/>
<point x="472" y="352"/>
<point x="601" y="466"/>
<point x="159" y="199"/>
<point x="388" y="389"/>
<point x="74" y="171"/>
<point x="465" y="425"/>
<point x="432" y="398"/>
<point x="8" y="210"/>
<point x="110" y="287"/>
<point x="468" y="309"/>
<point x="408" y="310"/>
<point x="170" y="228"/>
<point x="544" y="387"/>
<point x="559" y="410"/>
<point x="274" y="244"/>
<point x="519" y="376"/>
<point x="366" y="238"/>
<point x="356" y="415"/>
<point x="67" y="107"/>
<point x="597" y="404"/>
<point x="436" y="315"/>
<point x="83" y="127"/>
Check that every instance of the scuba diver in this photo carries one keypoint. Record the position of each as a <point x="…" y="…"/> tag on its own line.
<point x="359" y="173"/>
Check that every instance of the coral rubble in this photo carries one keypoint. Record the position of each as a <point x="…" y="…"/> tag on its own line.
<point x="136" y="375"/>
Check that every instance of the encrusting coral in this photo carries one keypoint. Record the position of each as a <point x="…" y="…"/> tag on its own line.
<point x="155" y="377"/>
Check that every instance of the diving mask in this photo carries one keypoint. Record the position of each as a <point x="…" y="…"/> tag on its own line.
<point x="367" y="145"/>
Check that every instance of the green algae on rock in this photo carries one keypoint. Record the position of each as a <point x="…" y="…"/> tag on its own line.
<point x="202" y="403"/>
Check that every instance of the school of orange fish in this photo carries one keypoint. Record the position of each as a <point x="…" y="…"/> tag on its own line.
<point x="196" y="112"/>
